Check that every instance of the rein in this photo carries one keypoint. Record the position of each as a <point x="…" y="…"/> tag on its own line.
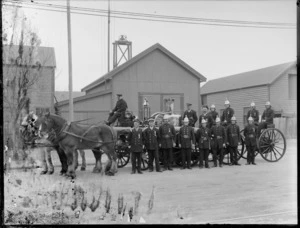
<point x="83" y="138"/>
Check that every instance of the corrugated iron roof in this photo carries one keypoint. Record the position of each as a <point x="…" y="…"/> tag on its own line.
<point x="44" y="55"/>
<point x="137" y="58"/>
<point x="64" y="95"/>
<point x="258" y="77"/>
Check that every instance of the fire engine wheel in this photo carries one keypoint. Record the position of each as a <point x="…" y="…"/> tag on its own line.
<point x="178" y="159"/>
<point x="272" y="144"/>
<point x="123" y="156"/>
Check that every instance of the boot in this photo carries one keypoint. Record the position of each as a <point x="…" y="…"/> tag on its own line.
<point x="44" y="172"/>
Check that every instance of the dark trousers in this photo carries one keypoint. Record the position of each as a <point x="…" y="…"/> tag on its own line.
<point x="203" y="156"/>
<point x="217" y="151"/>
<point x="136" y="160"/>
<point x="233" y="154"/>
<point x="168" y="157"/>
<point x="186" y="156"/>
<point x="153" y="154"/>
<point x="250" y="154"/>
<point x="262" y="125"/>
<point x="113" y="117"/>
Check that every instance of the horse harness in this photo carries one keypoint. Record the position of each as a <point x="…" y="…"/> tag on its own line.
<point x="66" y="127"/>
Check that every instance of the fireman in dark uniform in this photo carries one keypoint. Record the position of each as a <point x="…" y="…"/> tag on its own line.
<point x="250" y="132"/>
<point x="190" y="114"/>
<point x="227" y="114"/>
<point x="202" y="138"/>
<point x="213" y="113"/>
<point x="218" y="141"/>
<point x="151" y="138"/>
<point x="186" y="143"/>
<point x="267" y="118"/>
<point x="135" y="139"/>
<point x="167" y="141"/>
<point x="233" y="140"/>
<point x="206" y="116"/>
<point x="120" y="109"/>
<point x="253" y="113"/>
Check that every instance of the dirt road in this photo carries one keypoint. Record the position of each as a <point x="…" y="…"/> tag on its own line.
<point x="262" y="194"/>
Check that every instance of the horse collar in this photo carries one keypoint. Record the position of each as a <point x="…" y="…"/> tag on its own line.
<point x="64" y="128"/>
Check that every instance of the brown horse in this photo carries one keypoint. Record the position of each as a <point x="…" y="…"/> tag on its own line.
<point x="72" y="137"/>
<point x="29" y="133"/>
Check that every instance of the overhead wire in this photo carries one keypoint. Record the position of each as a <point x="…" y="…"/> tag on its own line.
<point x="171" y="19"/>
<point x="159" y="16"/>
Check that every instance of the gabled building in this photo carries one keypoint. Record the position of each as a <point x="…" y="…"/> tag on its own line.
<point x="277" y="84"/>
<point x="41" y="93"/>
<point x="155" y="74"/>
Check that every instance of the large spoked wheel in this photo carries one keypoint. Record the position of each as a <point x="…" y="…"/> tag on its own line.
<point x="145" y="160"/>
<point x="123" y="156"/>
<point x="272" y="144"/>
<point x="194" y="157"/>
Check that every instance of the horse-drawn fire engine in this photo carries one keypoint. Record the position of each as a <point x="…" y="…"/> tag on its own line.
<point x="271" y="144"/>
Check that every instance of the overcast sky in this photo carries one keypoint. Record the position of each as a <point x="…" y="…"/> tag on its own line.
<point x="214" y="51"/>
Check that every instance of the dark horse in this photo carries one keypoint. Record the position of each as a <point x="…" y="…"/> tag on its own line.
<point x="29" y="132"/>
<point x="71" y="137"/>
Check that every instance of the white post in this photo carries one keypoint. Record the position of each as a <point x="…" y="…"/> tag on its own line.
<point x="71" y="117"/>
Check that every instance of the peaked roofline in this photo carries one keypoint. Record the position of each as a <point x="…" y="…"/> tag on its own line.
<point x="287" y="68"/>
<point x="139" y="56"/>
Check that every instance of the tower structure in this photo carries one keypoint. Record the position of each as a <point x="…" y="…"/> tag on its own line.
<point x="119" y="52"/>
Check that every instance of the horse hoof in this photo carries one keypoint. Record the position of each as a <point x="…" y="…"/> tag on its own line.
<point x="51" y="172"/>
<point x="109" y="174"/>
<point x="96" y="170"/>
<point x="82" y="169"/>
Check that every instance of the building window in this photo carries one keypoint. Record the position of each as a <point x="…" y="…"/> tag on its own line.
<point x="293" y="87"/>
<point x="42" y="111"/>
<point x="246" y="110"/>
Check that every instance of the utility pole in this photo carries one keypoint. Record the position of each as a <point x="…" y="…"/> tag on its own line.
<point x="108" y="38"/>
<point x="71" y="110"/>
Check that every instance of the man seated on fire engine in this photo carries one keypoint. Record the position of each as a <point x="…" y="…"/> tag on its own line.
<point x="118" y="111"/>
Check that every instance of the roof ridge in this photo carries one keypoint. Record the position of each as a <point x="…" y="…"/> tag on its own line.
<point x="224" y="77"/>
<point x="258" y="77"/>
<point x="139" y="56"/>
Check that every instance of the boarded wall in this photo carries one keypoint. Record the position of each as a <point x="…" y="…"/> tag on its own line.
<point x="288" y="126"/>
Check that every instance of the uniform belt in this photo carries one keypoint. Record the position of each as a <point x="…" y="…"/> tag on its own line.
<point x="251" y="136"/>
<point x="234" y="134"/>
<point x="204" y="138"/>
<point x="166" y="136"/>
<point x="219" y="137"/>
<point x="186" y="136"/>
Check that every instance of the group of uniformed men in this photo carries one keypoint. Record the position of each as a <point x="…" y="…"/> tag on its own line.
<point x="213" y="133"/>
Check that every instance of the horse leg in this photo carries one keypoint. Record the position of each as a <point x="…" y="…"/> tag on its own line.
<point x="71" y="154"/>
<point x="98" y="165"/>
<point x="83" y="164"/>
<point x="111" y="154"/>
<point x="63" y="160"/>
<point x="76" y="159"/>
<point x="49" y="160"/>
<point x="43" y="160"/>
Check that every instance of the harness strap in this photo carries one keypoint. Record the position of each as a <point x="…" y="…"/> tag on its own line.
<point x="86" y="132"/>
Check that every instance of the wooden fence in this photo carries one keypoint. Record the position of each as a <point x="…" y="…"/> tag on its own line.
<point x="287" y="125"/>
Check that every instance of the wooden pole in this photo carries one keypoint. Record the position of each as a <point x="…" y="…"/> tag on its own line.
<point x="108" y="38"/>
<point x="71" y="116"/>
